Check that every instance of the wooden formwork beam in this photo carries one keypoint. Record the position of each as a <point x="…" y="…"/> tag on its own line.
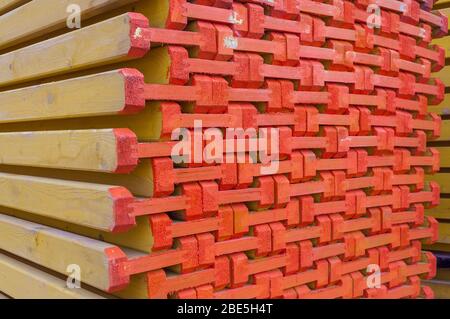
<point x="443" y="108"/>
<point x="444" y="153"/>
<point x="139" y="182"/>
<point x="138" y="238"/>
<point x="56" y="250"/>
<point x="445" y="131"/>
<point x="91" y="205"/>
<point x="85" y="96"/>
<point x="40" y="17"/>
<point x="440" y="288"/>
<point x="444" y="233"/>
<point x="110" y="41"/>
<point x="22" y="281"/>
<point x="444" y="73"/>
<point x="442" y="211"/>
<point x="442" y="179"/>
<point x="106" y="150"/>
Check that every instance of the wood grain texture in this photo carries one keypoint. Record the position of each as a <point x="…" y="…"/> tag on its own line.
<point x="55" y="249"/>
<point x="442" y="211"/>
<point x="22" y="281"/>
<point x="85" y="96"/>
<point x="139" y="182"/>
<point x="40" y="17"/>
<point x="87" y="204"/>
<point x="138" y="238"/>
<point x="147" y="124"/>
<point x="106" y="42"/>
<point x="93" y="150"/>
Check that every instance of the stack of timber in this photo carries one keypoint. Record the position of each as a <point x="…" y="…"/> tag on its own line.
<point x="441" y="283"/>
<point x="87" y="176"/>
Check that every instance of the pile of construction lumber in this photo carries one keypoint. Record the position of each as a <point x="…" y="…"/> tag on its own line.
<point x="336" y="92"/>
<point x="441" y="249"/>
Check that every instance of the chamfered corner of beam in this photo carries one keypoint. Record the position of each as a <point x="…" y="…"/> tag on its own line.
<point x="118" y="280"/>
<point x="127" y="150"/>
<point x="139" y="45"/>
<point x="122" y="199"/>
<point x="134" y="91"/>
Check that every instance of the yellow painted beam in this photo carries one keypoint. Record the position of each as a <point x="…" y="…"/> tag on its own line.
<point x="442" y="211"/>
<point x="93" y="150"/>
<point x="443" y="274"/>
<point x="40" y="17"/>
<point x="146" y="125"/>
<point x="56" y="250"/>
<point x="21" y="281"/>
<point x="443" y="108"/>
<point x="444" y="74"/>
<point x="443" y="179"/>
<point x="444" y="233"/>
<point x="139" y="182"/>
<point x="139" y="238"/>
<point x="437" y="247"/>
<point x="441" y="288"/>
<point x="442" y="3"/>
<point x="445" y="131"/>
<point x="6" y="5"/>
<point x="99" y="44"/>
<point x="84" y="96"/>
<point x="444" y="153"/>
<point x="91" y="205"/>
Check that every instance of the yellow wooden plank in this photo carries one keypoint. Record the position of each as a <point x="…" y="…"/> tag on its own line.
<point x="138" y="238"/>
<point x="442" y="211"/>
<point x="102" y="43"/>
<point x="147" y="124"/>
<point x="443" y="42"/>
<point x="6" y="5"/>
<point x="21" y="281"/>
<point x="437" y="247"/>
<point x="444" y="233"/>
<point x="443" y="180"/>
<point x="442" y="3"/>
<point x="444" y="74"/>
<point x="93" y="150"/>
<point x="86" y="204"/>
<point x="441" y="288"/>
<point x="443" y="108"/>
<point x="139" y="181"/>
<point x="444" y="153"/>
<point x="56" y="250"/>
<point x="39" y="17"/>
<point x="443" y="274"/>
<point x="445" y="131"/>
<point x="84" y="96"/>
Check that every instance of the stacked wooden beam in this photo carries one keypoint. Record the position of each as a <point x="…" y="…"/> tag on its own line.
<point x="441" y="284"/>
<point x="88" y="177"/>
